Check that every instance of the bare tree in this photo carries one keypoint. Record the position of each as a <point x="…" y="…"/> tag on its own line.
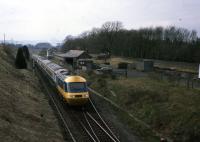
<point x="109" y="32"/>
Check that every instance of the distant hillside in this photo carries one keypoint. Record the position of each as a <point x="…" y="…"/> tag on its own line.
<point x="25" y="114"/>
<point x="43" y="45"/>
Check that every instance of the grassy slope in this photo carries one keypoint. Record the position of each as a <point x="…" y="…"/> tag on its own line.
<point x="170" y="110"/>
<point x="25" y="114"/>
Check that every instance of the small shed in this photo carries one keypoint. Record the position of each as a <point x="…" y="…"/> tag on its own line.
<point x="146" y="65"/>
<point x="72" y="56"/>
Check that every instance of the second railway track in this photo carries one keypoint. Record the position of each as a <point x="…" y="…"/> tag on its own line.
<point x="81" y="123"/>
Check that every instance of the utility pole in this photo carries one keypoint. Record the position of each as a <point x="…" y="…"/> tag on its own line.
<point x="199" y="71"/>
<point x="48" y="53"/>
<point x="4" y="39"/>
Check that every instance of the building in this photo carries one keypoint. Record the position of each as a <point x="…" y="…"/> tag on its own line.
<point x="72" y="57"/>
<point x="146" y="65"/>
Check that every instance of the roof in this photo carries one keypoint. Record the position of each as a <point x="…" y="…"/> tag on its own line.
<point x="53" y="66"/>
<point x="75" y="79"/>
<point x="71" y="54"/>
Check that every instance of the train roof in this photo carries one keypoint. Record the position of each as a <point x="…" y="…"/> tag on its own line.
<point x="46" y="61"/>
<point x="62" y="71"/>
<point x="75" y="79"/>
<point x="54" y="66"/>
<point x="71" y="78"/>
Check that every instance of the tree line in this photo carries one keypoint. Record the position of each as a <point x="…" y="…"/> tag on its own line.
<point x="164" y="43"/>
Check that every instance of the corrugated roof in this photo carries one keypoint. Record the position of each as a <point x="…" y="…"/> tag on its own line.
<point x="71" y="54"/>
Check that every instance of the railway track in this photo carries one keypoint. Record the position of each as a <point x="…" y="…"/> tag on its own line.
<point x="93" y="124"/>
<point x="80" y="123"/>
<point x="101" y="123"/>
<point x="57" y="108"/>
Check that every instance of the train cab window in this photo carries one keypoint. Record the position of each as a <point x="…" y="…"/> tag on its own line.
<point x="65" y="86"/>
<point x="75" y="87"/>
<point x="60" y="83"/>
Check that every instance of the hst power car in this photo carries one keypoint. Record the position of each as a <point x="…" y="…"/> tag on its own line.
<point x="73" y="88"/>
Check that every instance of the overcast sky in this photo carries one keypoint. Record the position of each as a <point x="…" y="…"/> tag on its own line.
<point x="53" y="20"/>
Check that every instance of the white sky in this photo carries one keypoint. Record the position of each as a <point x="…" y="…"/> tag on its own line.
<point x="53" y="20"/>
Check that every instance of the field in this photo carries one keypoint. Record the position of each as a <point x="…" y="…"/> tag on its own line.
<point x="179" y="66"/>
<point x="25" y="114"/>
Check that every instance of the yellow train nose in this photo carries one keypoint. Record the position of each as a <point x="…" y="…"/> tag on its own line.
<point x="78" y="96"/>
<point x="77" y="101"/>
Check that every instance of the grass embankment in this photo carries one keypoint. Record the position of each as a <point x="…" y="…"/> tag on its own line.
<point x="170" y="110"/>
<point x="25" y="114"/>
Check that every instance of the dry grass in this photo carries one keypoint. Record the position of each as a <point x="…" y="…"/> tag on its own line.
<point x="179" y="66"/>
<point x="114" y="61"/>
<point x="170" y="110"/>
<point x="25" y="114"/>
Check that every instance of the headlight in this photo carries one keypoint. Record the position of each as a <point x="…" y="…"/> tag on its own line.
<point x="86" y="95"/>
<point x="71" y="96"/>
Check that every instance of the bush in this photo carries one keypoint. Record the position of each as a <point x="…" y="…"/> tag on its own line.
<point x="20" y="61"/>
<point x="102" y="82"/>
<point x="107" y="63"/>
<point x="113" y="76"/>
<point x="26" y="52"/>
<point x="122" y="65"/>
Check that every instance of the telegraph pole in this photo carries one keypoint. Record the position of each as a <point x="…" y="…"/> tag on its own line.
<point x="199" y="71"/>
<point x="4" y="39"/>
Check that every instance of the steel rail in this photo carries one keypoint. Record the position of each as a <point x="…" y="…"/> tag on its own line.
<point x="91" y="128"/>
<point x="82" y="124"/>
<point x="104" y="121"/>
<point x="87" y="131"/>
<point x="90" y="116"/>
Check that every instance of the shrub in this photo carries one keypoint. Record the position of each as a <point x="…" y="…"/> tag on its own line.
<point x="102" y="82"/>
<point x="122" y="65"/>
<point x="113" y="76"/>
<point x="107" y="63"/>
<point x="20" y="61"/>
<point x="26" y="52"/>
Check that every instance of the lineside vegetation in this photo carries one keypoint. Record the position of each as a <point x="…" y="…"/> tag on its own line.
<point x="169" y="109"/>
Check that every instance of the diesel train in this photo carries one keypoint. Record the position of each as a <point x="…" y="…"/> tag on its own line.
<point x="72" y="88"/>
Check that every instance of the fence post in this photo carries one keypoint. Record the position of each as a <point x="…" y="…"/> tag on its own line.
<point x="192" y="83"/>
<point x="126" y="72"/>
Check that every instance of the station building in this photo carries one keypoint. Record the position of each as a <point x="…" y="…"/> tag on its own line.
<point x="75" y="58"/>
